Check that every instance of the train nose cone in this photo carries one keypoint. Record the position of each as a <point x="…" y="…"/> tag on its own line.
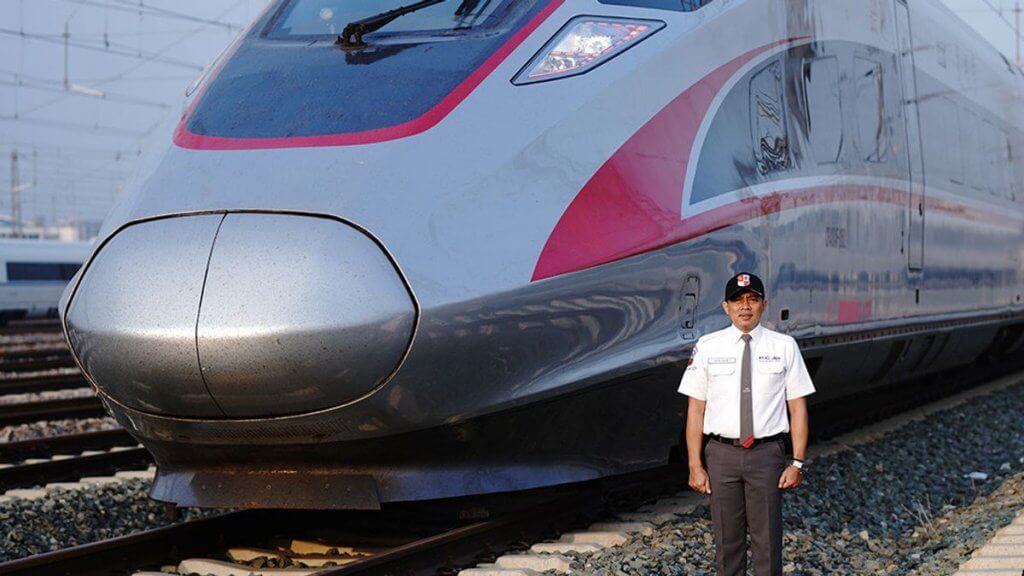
<point x="292" y="314"/>
<point x="299" y="314"/>
<point x="132" y="318"/>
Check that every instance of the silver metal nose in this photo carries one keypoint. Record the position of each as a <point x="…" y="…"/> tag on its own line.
<point x="132" y="318"/>
<point x="292" y="314"/>
<point x="298" y="314"/>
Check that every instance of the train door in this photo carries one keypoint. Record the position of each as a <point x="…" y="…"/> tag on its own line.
<point x="912" y="123"/>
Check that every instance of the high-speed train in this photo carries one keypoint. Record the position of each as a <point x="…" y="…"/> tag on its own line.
<point x="34" y="273"/>
<point x="467" y="249"/>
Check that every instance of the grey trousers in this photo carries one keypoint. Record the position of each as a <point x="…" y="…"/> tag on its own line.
<point x="745" y="495"/>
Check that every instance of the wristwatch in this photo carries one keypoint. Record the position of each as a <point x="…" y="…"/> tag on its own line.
<point x="798" y="464"/>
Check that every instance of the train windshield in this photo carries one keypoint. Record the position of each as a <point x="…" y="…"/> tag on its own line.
<point x="329" y="17"/>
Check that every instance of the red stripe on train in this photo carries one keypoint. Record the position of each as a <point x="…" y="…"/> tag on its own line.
<point x="632" y="203"/>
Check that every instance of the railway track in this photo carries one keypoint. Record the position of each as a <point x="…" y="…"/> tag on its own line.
<point x="397" y="541"/>
<point x="413" y="539"/>
<point x="72" y="468"/>
<point x="34" y="350"/>
<point x="17" y="327"/>
<point x="38" y="363"/>
<point x="68" y="457"/>
<point x="85" y="407"/>
<point x="41" y="383"/>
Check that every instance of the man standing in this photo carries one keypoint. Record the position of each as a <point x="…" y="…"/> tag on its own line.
<point x="740" y="381"/>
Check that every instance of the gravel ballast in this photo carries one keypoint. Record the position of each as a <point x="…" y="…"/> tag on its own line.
<point x="48" y="373"/>
<point x="31" y="339"/>
<point x="904" y="504"/>
<point x="48" y="428"/>
<point x="65" y="518"/>
<point x="46" y="395"/>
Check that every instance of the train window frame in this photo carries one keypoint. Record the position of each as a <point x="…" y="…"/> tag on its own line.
<point x="1009" y="179"/>
<point x="879" y="154"/>
<point x="942" y="154"/>
<point x="1014" y="172"/>
<point x="989" y="148"/>
<point x="959" y="176"/>
<point x="499" y="13"/>
<point x="833" y="111"/>
<point x="970" y="147"/>
<point x="765" y="83"/>
<point x="1002" y="160"/>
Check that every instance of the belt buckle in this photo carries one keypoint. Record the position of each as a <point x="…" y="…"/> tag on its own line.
<point x="736" y="442"/>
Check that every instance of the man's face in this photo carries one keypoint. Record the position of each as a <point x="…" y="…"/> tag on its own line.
<point x="745" y="310"/>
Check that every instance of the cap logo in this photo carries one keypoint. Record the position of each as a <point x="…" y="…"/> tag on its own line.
<point x="743" y="280"/>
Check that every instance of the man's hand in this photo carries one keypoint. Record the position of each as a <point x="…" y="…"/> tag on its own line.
<point x="791" y="478"/>
<point x="699" y="480"/>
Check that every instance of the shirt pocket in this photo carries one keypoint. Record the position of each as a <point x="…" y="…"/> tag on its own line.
<point x="773" y="374"/>
<point x="721" y="376"/>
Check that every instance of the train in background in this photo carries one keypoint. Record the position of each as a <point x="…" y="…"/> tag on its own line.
<point x="34" y="273"/>
<point x="467" y="250"/>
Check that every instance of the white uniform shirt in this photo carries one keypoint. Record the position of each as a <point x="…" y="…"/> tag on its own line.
<point x="778" y="374"/>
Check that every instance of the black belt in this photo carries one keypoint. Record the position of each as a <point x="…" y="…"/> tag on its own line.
<point x="738" y="442"/>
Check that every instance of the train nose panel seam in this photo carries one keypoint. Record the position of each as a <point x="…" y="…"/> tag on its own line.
<point x="199" y="313"/>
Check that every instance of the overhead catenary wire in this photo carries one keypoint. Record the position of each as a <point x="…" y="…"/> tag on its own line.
<point x="74" y="170"/>
<point x="108" y="96"/>
<point x="66" y="125"/>
<point x="169" y="46"/>
<point x="1014" y="27"/>
<point x="150" y="10"/>
<point x="114" y="50"/>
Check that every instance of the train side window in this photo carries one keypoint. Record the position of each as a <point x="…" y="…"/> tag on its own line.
<point x="768" y="120"/>
<point x="941" y="134"/>
<point x="1005" y="168"/>
<point x="40" y="271"/>
<point x="1012" y="170"/>
<point x="989" y="152"/>
<point x="970" y="148"/>
<point x="956" y="157"/>
<point x="824" y="108"/>
<point x="872" y="130"/>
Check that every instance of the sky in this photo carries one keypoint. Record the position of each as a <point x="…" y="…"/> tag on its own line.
<point x="78" y="134"/>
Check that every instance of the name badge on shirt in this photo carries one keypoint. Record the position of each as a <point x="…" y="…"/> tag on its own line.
<point x="721" y="365"/>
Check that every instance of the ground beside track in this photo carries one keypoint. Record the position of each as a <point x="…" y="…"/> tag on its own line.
<point x="66" y="518"/>
<point x="901" y="504"/>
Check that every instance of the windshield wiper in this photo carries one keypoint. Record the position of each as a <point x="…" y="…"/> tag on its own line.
<point x="352" y="35"/>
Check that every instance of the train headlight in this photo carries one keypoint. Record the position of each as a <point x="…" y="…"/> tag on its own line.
<point x="584" y="43"/>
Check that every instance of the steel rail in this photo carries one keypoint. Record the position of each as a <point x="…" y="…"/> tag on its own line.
<point x="50" y="410"/>
<point x="20" y="351"/>
<point x="36" y="364"/>
<point x="36" y="383"/>
<point x="29" y="327"/>
<point x="72" y="469"/>
<point x="64" y="444"/>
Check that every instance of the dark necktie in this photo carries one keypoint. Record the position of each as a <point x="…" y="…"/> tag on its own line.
<point x="746" y="398"/>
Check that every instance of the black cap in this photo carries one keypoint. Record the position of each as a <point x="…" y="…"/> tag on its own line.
<point x="743" y="282"/>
